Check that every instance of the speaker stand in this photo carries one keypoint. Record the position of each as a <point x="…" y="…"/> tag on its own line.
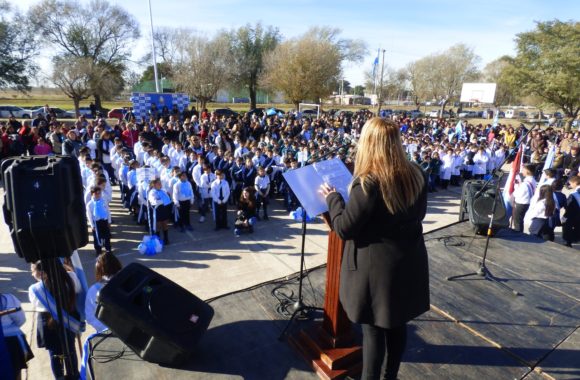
<point x="483" y="271"/>
<point x="301" y="310"/>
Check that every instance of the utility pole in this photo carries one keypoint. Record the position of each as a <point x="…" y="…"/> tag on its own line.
<point x="153" y="50"/>
<point x="380" y="99"/>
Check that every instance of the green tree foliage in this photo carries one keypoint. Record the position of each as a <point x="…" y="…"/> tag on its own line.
<point x="248" y="47"/>
<point x="18" y="45"/>
<point x="163" y="70"/>
<point x="547" y="65"/>
<point x="497" y="72"/>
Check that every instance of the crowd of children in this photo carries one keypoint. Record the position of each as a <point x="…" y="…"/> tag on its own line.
<point x="170" y="164"/>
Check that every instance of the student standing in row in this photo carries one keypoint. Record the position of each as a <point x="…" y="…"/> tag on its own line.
<point x="220" y="193"/>
<point x="262" y="185"/>
<point x="161" y="202"/>
<point x="183" y="198"/>
<point x="99" y="215"/>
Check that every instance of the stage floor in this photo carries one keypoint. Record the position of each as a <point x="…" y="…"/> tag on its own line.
<point x="475" y="329"/>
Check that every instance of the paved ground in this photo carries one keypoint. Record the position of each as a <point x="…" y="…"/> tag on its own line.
<point x="205" y="262"/>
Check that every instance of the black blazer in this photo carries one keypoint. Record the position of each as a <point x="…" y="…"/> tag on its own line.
<point x="384" y="278"/>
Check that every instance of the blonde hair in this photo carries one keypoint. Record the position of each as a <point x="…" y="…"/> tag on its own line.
<point x="380" y="157"/>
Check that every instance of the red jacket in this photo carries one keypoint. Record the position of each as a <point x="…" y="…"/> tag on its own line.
<point x="130" y="137"/>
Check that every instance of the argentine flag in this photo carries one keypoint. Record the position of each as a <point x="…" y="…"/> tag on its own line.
<point x="547" y="165"/>
<point x="376" y="64"/>
<point x="496" y="118"/>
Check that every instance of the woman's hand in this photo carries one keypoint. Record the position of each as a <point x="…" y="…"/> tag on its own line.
<point x="326" y="189"/>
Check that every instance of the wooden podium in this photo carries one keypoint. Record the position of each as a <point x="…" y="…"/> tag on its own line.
<point x="330" y="347"/>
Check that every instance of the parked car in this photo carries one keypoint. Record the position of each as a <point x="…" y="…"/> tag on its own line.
<point x="115" y="113"/>
<point x="468" y="114"/>
<point x="59" y="112"/>
<point x="415" y="114"/>
<point x="8" y="111"/>
<point x="259" y="112"/>
<point x="310" y="113"/>
<point x="435" y="114"/>
<point x="86" y="112"/>
<point x="219" y="112"/>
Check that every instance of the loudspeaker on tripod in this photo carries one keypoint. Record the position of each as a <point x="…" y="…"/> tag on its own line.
<point x="44" y="206"/>
<point x="158" y="319"/>
<point x="477" y="205"/>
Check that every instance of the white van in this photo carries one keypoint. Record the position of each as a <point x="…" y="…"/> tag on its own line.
<point x="514" y="114"/>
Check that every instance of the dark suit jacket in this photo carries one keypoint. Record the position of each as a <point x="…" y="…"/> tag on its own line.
<point x="571" y="228"/>
<point x="384" y="275"/>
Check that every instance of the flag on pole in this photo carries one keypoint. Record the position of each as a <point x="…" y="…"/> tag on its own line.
<point x="547" y="165"/>
<point x="376" y="64"/>
<point x="511" y="180"/>
<point x="459" y="130"/>
<point x="496" y="118"/>
<point x="79" y="271"/>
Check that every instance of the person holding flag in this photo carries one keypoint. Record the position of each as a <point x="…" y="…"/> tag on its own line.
<point x="510" y="183"/>
<point x="523" y="193"/>
<point x="41" y="295"/>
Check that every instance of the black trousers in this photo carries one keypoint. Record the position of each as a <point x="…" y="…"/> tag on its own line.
<point x="221" y="215"/>
<point x="518" y="216"/>
<point x="102" y="230"/>
<point x="382" y="351"/>
<point x="184" y="207"/>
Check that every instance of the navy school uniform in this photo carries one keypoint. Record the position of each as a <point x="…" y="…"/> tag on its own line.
<point x="248" y="176"/>
<point x="220" y="192"/>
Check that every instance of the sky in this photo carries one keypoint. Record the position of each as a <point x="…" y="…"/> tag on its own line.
<point x="408" y="30"/>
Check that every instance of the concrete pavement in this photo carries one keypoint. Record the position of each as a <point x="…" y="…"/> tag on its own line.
<point x="206" y="262"/>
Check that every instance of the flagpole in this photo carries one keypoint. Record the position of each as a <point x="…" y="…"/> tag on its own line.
<point x="153" y="50"/>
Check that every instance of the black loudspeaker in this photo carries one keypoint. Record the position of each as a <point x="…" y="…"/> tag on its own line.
<point x="155" y="317"/>
<point x="44" y="206"/>
<point x="477" y="204"/>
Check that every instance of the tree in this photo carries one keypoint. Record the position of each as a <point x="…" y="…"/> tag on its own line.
<point x="497" y="72"/>
<point x="75" y="76"/>
<point x="309" y="67"/>
<point x="164" y="69"/>
<point x="359" y="90"/>
<point x="343" y="87"/>
<point x="441" y="76"/>
<point x="248" y="47"/>
<point x="17" y="49"/>
<point x="547" y="65"/>
<point x="99" y="31"/>
<point x="393" y="84"/>
<point x="202" y="67"/>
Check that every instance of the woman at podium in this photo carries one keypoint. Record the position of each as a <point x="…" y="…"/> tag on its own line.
<point x="384" y="280"/>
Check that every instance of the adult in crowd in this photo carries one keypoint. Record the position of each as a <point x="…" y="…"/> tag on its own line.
<point x="384" y="274"/>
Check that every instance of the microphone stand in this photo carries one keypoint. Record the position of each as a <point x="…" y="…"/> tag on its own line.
<point x="483" y="271"/>
<point x="300" y="308"/>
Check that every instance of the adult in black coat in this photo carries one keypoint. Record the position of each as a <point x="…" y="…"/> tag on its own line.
<point x="571" y="227"/>
<point x="384" y="279"/>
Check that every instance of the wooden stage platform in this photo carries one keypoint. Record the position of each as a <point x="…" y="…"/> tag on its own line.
<point x="475" y="329"/>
